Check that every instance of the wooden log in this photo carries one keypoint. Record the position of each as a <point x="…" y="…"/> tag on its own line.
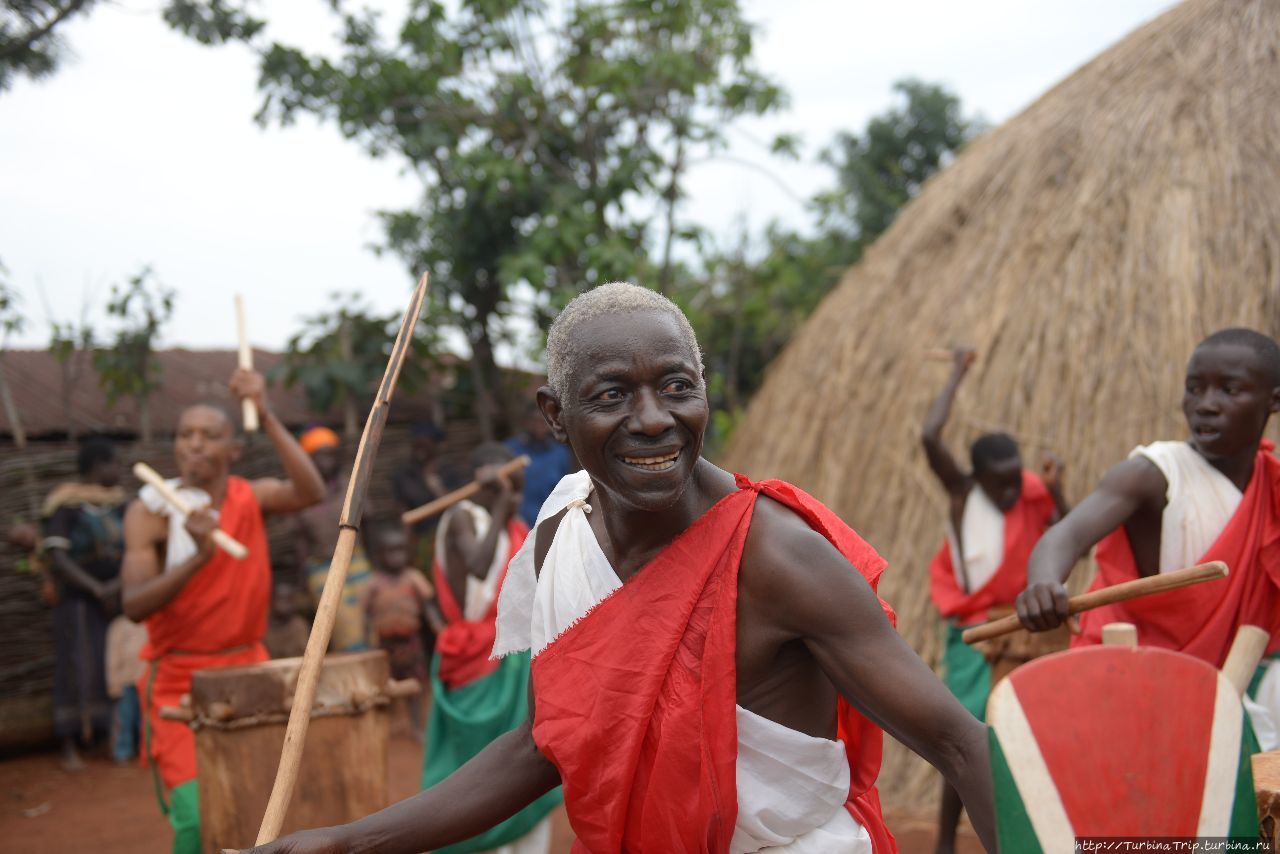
<point x="1122" y="592"/>
<point x="1247" y="649"/>
<point x="248" y="411"/>
<point x="224" y="541"/>
<point x="444" y="502"/>
<point x="327" y="612"/>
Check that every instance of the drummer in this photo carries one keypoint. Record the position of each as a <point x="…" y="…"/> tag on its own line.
<point x="997" y="511"/>
<point x="203" y="608"/>
<point x="1212" y="496"/>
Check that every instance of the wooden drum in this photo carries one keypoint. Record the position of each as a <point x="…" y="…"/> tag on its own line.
<point x="1017" y="648"/>
<point x="1266" y="784"/>
<point x="239" y="716"/>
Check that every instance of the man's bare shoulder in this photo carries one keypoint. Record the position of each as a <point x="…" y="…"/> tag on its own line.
<point x="1136" y="478"/>
<point x="142" y="527"/>
<point x="783" y="557"/>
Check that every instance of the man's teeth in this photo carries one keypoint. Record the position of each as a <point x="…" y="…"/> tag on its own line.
<point x="652" y="462"/>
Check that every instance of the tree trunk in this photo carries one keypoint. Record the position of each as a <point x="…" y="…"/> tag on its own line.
<point x="144" y="416"/>
<point x="484" y="375"/>
<point x="350" y="418"/>
<point x="672" y="197"/>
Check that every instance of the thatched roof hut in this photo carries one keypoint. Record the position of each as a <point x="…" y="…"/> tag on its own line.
<point x="1083" y="247"/>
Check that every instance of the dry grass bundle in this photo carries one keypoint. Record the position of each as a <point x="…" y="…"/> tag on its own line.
<point x="1084" y="248"/>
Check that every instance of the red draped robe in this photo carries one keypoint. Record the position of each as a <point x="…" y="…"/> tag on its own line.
<point x="217" y="620"/>
<point x="1024" y="524"/>
<point x="465" y="646"/>
<point x="636" y="701"/>
<point x="1201" y="620"/>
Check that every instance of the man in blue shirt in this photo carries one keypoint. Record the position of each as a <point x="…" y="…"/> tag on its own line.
<point x="550" y="461"/>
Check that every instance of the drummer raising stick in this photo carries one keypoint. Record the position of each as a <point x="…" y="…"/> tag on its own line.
<point x="1212" y="496"/>
<point x="996" y="512"/>
<point x="202" y="606"/>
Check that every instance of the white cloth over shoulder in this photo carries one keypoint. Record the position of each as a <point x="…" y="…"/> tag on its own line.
<point x="1200" y="501"/>
<point x="981" y="541"/>
<point x="791" y="786"/>
<point x="480" y="592"/>
<point x="180" y="545"/>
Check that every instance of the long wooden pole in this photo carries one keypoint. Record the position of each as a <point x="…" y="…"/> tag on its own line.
<point x="248" y="412"/>
<point x="1124" y="591"/>
<point x="309" y="673"/>
<point x="444" y="502"/>
<point x="221" y="538"/>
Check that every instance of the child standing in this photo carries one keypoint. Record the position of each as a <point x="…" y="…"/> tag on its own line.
<point x="399" y="601"/>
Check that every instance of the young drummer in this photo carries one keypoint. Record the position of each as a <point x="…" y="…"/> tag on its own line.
<point x="202" y="607"/>
<point x="997" y="512"/>
<point x="1212" y="496"/>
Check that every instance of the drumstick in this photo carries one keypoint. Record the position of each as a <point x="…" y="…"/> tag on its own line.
<point x="1247" y="649"/>
<point x="1122" y="592"/>
<point x="249" y="412"/>
<point x="304" y="696"/>
<point x="444" y="502"/>
<point x="225" y="541"/>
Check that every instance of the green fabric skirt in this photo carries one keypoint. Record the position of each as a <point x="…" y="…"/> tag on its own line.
<point x="965" y="671"/>
<point x="463" y="722"/>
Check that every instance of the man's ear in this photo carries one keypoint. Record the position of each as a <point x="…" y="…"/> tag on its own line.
<point x="552" y="413"/>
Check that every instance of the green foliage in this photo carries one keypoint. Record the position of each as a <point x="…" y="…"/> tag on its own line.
<point x="11" y="317"/>
<point x="339" y="356"/>
<point x="214" y="21"/>
<point x="128" y="367"/>
<point x="535" y="132"/>
<point x="29" y="42"/>
<point x="748" y="302"/>
<point x="880" y="170"/>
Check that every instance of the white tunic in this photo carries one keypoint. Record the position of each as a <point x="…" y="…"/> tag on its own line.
<point x="480" y="592"/>
<point x="1200" y="501"/>
<point x="982" y="539"/>
<point x="791" y="786"/>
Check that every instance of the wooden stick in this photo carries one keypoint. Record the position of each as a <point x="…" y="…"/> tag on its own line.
<point x="1122" y="592"/>
<point x="444" y="502"/>
<point x="1246" y="651"/>
<point x="1120" y="634"/>
<point x="224" y="541"/>
<point x="309" y="673"/>
<point x="249" y="412"/>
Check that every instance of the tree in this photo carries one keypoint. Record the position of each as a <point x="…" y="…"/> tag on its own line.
<point x="71" y="345"/>
<point x="544" y="139"/>
<point x="31" y="43"/>
<point x="339" y="357"/>
<point x="762" y="293"/>
<point x="882" y="169"/>
<point x="129" y="368"/>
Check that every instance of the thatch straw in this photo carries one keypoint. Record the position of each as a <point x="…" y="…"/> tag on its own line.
<point x="1084" y="248"/>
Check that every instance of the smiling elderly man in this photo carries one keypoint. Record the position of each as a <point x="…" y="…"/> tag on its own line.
<point x="711" y="663"/>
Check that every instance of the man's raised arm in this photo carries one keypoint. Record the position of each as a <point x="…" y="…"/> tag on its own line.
<point x="498" y="782"/>
<point x="302" y="485"/>
<point x="817" y="597"/>
<point x="1124" y="490"/>
<point x="940" y="460"/>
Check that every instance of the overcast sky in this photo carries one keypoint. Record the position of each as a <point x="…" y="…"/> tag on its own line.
<point x="142" y="150"/>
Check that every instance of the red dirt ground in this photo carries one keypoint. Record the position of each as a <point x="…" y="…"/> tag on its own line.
<point x="111" y="810"/>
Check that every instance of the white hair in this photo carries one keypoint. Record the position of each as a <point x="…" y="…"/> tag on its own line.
<point x="564" y="351"/>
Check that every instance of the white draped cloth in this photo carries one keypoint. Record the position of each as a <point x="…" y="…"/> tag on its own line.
<point x="480" y="591"/>
<point x="791" y="786"/>
<point x="1200" y="501"/>
<point x="180" y="546"/>
<point x="981" y="543"/>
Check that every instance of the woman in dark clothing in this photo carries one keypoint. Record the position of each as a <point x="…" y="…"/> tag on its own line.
<point x="84" y="540"/>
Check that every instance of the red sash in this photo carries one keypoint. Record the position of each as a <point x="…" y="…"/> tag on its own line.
<point x="217" y="620"/>
<point x="1024" y="524"/>
<point x="465" y="647"/>
<point x="636" y="701"/>
<point x="1201" y="620"/>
